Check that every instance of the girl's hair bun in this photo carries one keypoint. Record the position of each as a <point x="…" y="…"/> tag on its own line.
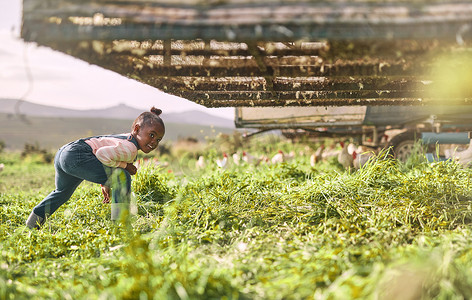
<point x="156" y="111"/>
<point x="148" y="117"/>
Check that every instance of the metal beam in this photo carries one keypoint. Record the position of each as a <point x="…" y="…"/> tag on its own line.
<point x="137" y="20"/>
<point x="328" y="102"/>
<point x="199" y="84"/>
<point x="328" y="70"/>
<point x="243" y="33"/>
<point x="298" y="95"/>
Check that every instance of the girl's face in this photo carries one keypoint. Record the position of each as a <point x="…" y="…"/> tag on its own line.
<point x="148" y="136"/>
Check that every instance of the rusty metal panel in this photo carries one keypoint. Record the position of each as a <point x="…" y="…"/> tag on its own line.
<point x="242" y="53"/>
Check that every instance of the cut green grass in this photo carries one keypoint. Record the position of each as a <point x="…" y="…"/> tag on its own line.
<point x="288" y="231"/>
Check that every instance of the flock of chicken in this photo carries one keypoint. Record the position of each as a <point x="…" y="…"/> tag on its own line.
<point x="349" y="156"/>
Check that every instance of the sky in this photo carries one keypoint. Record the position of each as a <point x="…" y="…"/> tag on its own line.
<point x="44" y="76"/>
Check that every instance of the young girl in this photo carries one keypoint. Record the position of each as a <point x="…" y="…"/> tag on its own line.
<point x="107" y="160"/>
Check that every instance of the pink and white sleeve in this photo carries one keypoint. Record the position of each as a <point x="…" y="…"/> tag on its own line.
<point x="117" y="155"/>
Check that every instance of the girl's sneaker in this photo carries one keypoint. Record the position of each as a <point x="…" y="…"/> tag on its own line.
<point x="34" y="221"/>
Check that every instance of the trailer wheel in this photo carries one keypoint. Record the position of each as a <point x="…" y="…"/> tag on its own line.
<point x="402" y="145"/>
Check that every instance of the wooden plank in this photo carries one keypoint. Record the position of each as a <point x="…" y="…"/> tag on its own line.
<point x="329" y="50"/>
<point x="298" y="95"/>
<point x="273" y="52"/>
<point x="243" y="84"/>
<point x="313" y="102"/>
<point x="281" y="71"/>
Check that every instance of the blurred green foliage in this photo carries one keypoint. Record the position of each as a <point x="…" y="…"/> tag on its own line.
<point x="389" y="230"/>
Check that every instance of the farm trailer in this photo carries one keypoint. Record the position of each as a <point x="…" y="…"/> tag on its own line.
<point x="270" y="53"/>
<point x="398" y="127"/>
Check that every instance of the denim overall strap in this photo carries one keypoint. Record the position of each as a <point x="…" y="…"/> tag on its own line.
<point x="133" y="140"/>
<point x="123" y="136"/>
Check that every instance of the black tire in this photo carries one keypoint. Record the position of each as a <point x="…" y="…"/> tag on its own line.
<point x="401" y="146"/>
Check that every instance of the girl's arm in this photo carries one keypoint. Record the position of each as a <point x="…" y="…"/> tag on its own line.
<point x="118" y="155"/>
<point x="131" y="168"/>
<point x="106" y="193"/>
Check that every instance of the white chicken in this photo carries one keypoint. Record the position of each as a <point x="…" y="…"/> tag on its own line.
<point x="351" y="148"/>
<point x="449" y="152"/>
<point x="344" y="158"/>
<point x="362" y="149"/>
<point x="290" y="156"/>
<point x="330" y="152"/>
<point x="200" y="163"/>
<point x="250" y="159"/>
<point x="2" y="166"/>
<point x="264" y="160"/>
<point x="317" y="156"/>
<point x="222" y="163"/>
<point x="278" y="158"/>
<point x="236" y="158"/>
<point x="360" y="159"/>
<point x="464" y="157"/>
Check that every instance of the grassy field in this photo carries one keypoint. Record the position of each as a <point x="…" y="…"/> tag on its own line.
<point x="288" y="231"/>
<point x="51" y="133"/>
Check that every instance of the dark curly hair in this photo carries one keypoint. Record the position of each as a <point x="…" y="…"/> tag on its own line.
<point x="148" y="118"/>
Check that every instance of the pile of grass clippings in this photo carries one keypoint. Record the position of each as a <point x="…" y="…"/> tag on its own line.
<point x="286" y="231"/>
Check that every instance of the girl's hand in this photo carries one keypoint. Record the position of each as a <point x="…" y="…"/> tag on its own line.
<point x="106" y="194"/>
<point x="131" y="169"/>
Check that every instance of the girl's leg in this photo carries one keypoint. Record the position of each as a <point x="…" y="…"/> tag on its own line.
<point x="65" y="187"/>
<point x="66" y="184"/>
<point x="64" y="190"/>
<point x="73" y="163"/>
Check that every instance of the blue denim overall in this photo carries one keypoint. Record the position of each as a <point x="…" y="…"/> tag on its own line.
<point x="76" y="162"/>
